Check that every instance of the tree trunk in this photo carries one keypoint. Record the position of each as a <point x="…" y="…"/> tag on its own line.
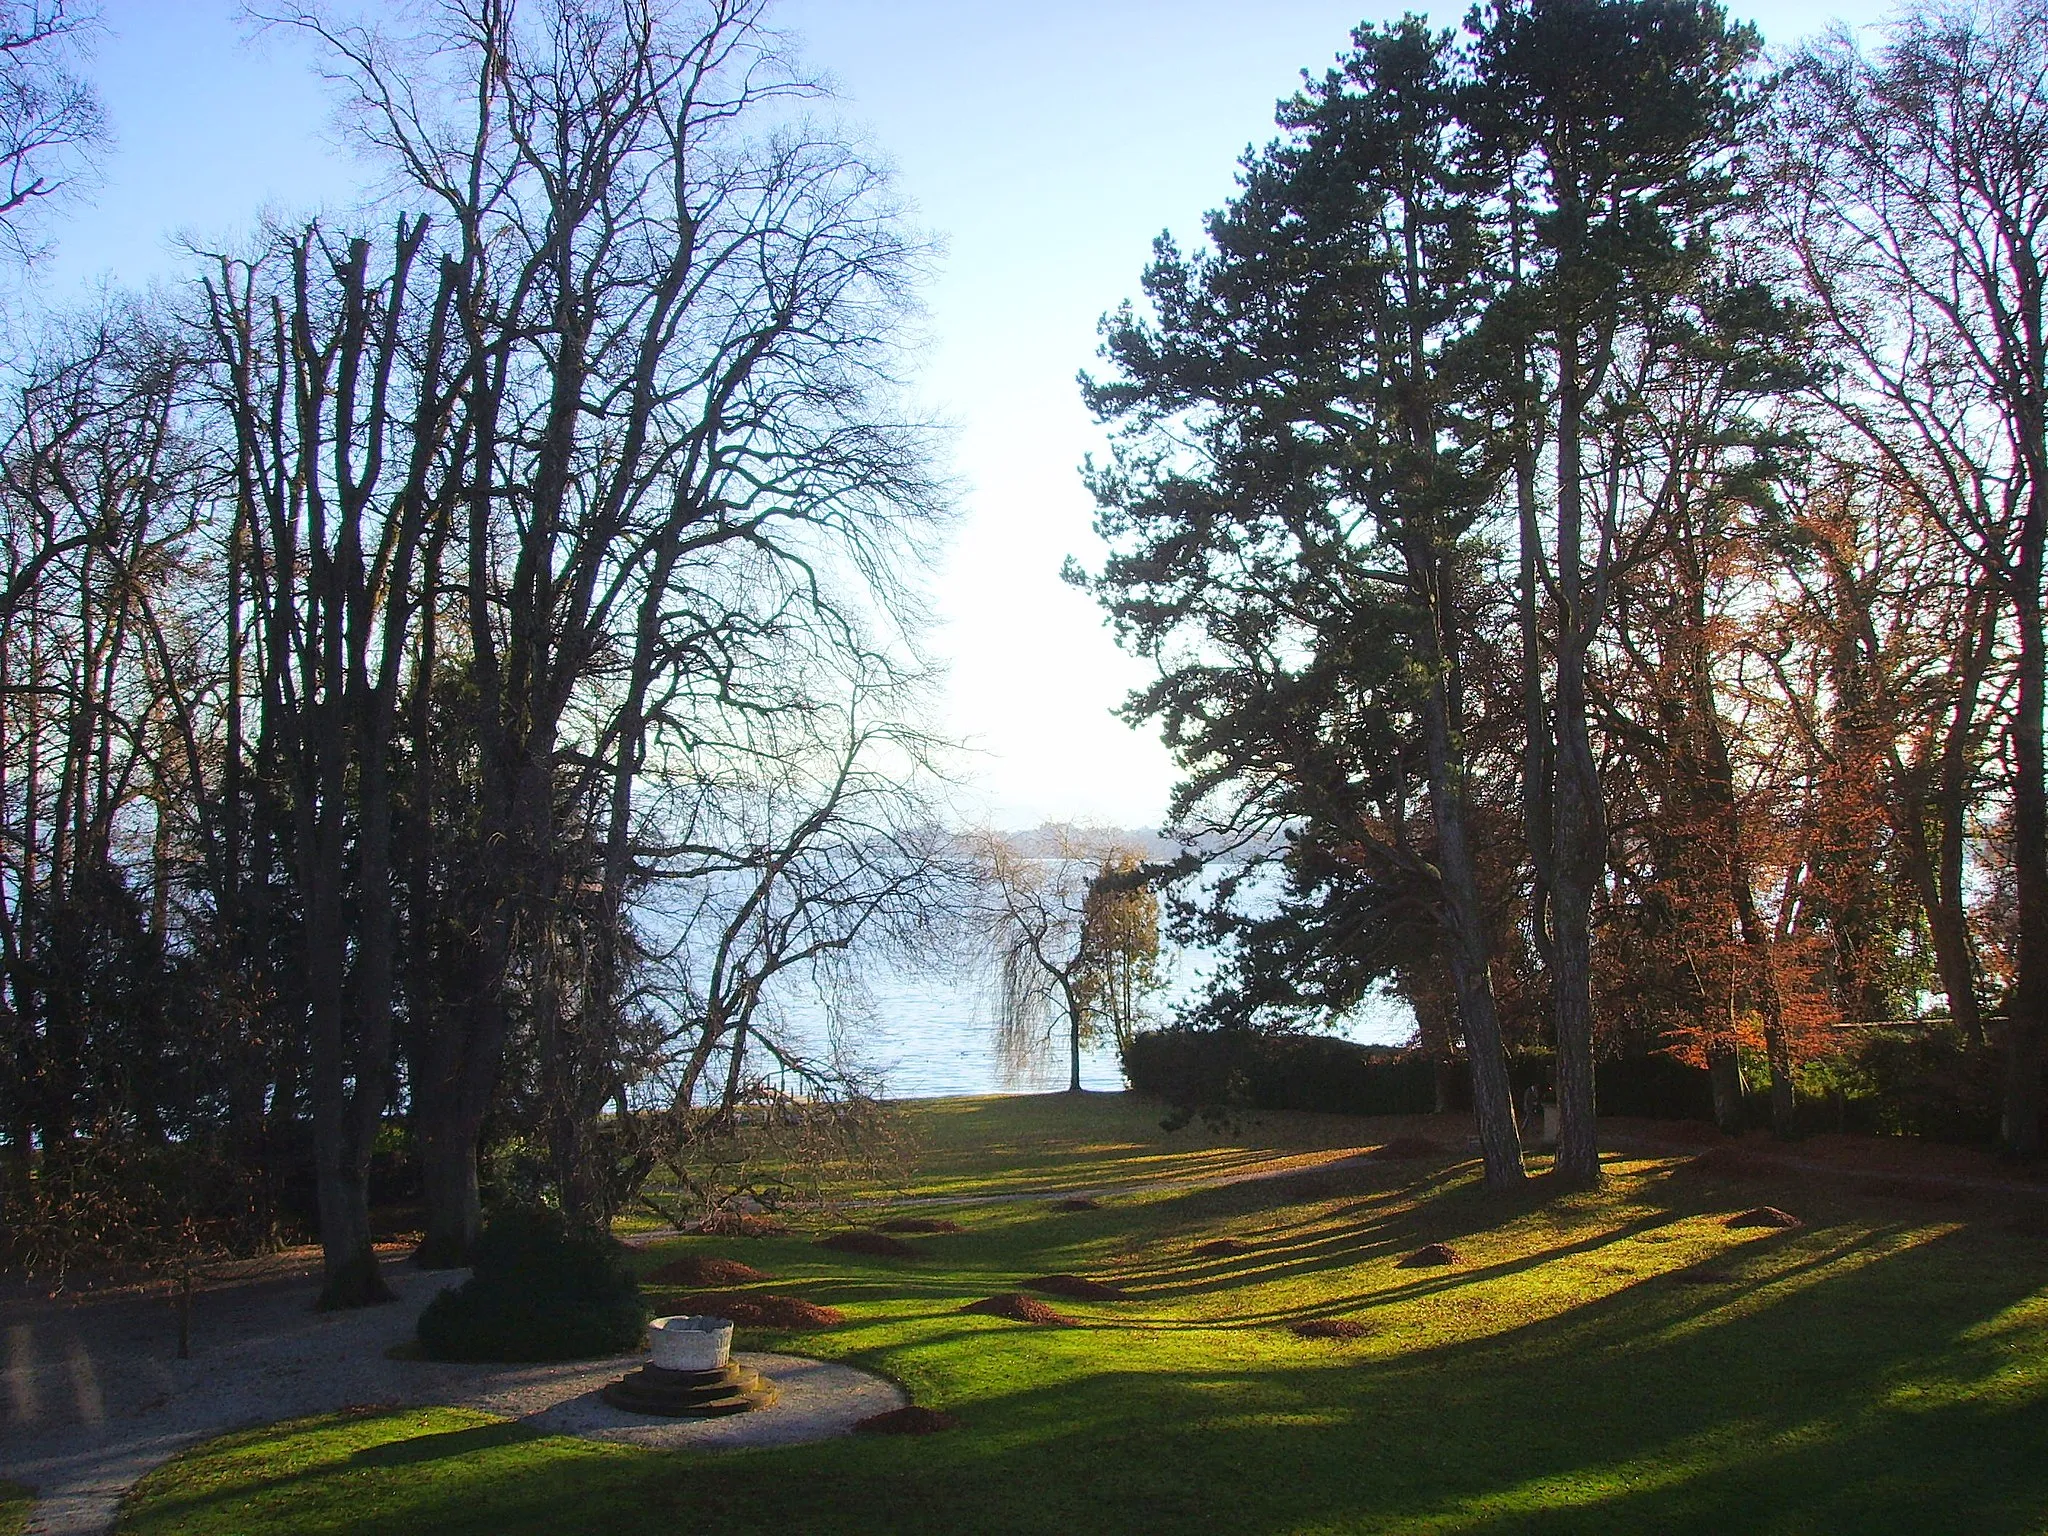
<point x="350" y="1261"/>
<point x="1493" y="1099"/>
<point x="1937" y="872"/>
<point x="448" y="1171"/>
<point x="2019" y="1130"/>
<point x="1578" y="1146"/>
<point x="1757" y="945"/>
<point x="456" y="1059"/>
<point x="1724" y="1077"/>
<point x="1578" y="846"/>
<point x="2027" y="1012"/>
<point x="341" y="1159"/>
<point x="1784" y="1124"/>
<point x="1073" y="1048"/>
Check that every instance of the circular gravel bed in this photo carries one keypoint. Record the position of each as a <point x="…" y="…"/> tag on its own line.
<point x="92" y="1399"/>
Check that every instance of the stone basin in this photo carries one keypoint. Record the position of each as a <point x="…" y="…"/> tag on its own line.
<point x="689" y="1343"/>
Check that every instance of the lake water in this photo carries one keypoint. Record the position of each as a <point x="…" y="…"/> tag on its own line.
<point x="931" y="1037"/>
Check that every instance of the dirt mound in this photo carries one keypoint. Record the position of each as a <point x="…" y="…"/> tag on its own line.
<point x="1077" y="1203"/>
<point x="878" y="1245"/>
<point x="1431" y="1257"/>
<point x="1327" y="1328"/>
<point x="1221" y="1248"/>
<point x="1019" y="1308"/>
<point x="1404" y="1149"/>
<point x="740" y="1224"/>
<point x="906" y="1421"/>
<point x="1730" y="1163"/>
<point x="918" y="1224"/>
<point x="755" y="1309"/>
<point x="1765" y="1216"/>
<point x="1078" y="1287"/>
<point x="703" y="1269"/>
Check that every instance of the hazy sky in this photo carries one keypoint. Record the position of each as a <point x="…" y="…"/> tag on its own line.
<point x="1045" y="145"/>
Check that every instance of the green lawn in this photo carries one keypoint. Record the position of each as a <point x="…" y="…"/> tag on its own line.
<point x="15" y="1504"/>
<point x="1613" y="1362"/>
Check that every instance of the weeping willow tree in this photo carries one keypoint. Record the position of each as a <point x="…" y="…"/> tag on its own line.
<point x="1073" y="927"/>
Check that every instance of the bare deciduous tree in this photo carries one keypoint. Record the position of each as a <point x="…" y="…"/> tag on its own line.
<point x="1911" y="188"/>
<point x="339" y="435"/>
<point x="52" y="127"/>
<point x="1065" y="919"/>
<point x="679" y="305"/>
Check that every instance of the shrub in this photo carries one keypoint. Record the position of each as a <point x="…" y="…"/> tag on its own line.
<point x="1927" y="1082"/>
<point x="541" y="1291"/>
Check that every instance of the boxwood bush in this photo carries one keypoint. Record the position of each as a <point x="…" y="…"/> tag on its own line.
<point x="540" y="1290"/>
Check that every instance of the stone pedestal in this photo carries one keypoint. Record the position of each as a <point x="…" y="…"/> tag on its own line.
<point x="700" y="1394"/>
<point x="690" y="1373"/>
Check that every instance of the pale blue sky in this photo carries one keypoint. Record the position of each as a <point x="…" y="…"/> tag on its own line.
<point x="1046" y="145"/>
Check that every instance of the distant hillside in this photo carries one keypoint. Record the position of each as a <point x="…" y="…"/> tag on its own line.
<point x="1045" y="841"/>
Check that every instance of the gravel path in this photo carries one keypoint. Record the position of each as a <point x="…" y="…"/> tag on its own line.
<point x="91" y="1398"/>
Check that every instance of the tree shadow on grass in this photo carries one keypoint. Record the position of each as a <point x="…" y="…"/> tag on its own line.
<point x="441" y="1445"/>
<point x="167" y="1499"/>
<point x="1381" y="1225"/>
<point x="1288" y="1276"/>
<point x="1862" y="1385"/>
<point x="1387" y="1218"/>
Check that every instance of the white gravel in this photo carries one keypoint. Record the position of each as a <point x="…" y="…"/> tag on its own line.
<point x="91" y="1398"/>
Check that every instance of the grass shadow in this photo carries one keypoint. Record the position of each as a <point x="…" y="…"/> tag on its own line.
<point x="441" y="1445"/>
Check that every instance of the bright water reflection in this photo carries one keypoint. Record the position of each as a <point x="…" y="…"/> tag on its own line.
<point x="930" y="1037"/>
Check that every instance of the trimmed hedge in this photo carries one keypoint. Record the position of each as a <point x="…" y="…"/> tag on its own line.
<point x="1927" y="1082"/>
<point x="1233" y="1068"/>
<point x="539" y="1291"/>
<point x="1279" y="1071"/>
<point x="1653" y="1088"/>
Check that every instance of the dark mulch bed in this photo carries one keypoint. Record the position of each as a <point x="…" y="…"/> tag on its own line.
<point x="1078" y="1287"/>
<point x="1020" y="1308"/>
<point x="1221" y="1248"/>
<point x="906" y="1421"/>
<point x="1432" y="1257"/>
<point x="878" y="1245"/>
<point x="1765" y="1216"/>
<point x="1403" y="1149"/>
<point x="753" y="1309"/>
<point x="918" y="1224"/>
<point x="740" y="1224"/>
<point x="1077" y="1203"/>
<point x="1327" y="1328"/>
<point x="703" y="1269"/>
